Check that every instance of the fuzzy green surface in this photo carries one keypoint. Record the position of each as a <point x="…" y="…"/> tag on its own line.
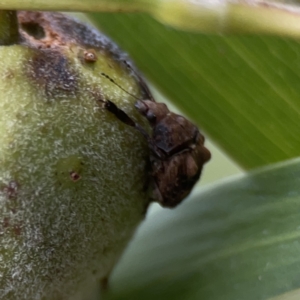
<point x="58" y="233"/>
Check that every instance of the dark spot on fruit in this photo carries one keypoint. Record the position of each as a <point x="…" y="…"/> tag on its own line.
<point x="17" y="229"/>
<point x="94" y="272"/>
<point x="104" y="284"/>
<point x="51" y="72"/>
<point x="90" y="56"/>
<point x="58" y="271"/>
<point x="20" y="115"/>
<point x="62" y="30"/>
<point x="74" y="176"/>
<point x="8" y="74"/>
<point x="5" y="222"/>
<point x="34" y="29"/>
<point x="44" y="129"/>
<point x="10" y="190"/>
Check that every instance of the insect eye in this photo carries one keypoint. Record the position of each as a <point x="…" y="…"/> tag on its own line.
<point x="181" y="120"/>
<point x="151" y="116"/>
<point x="141" y="107"/>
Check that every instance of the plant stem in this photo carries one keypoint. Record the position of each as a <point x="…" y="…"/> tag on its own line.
<point x="9" y="31"/>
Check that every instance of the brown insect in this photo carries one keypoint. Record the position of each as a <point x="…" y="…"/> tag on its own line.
<point x="177" y="152"/>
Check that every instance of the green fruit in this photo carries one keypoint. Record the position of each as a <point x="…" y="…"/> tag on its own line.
<point x="72" y="176"/>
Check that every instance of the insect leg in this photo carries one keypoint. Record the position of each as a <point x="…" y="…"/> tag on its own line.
<point x="122" y="116"/>
<point x="119" y="113"/>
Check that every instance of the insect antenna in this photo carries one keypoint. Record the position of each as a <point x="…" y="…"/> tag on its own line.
<point x="121" y="115"/>
<point x="118" y="85"/>
<point x="141" y="81"/>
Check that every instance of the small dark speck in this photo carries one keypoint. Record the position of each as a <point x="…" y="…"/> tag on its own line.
<point x="9" y="74"/>
<point x="5" y="222"/>
<point x="11" y="189"/>
<point x="17" y="229"/>
<point x="74" y="176"/>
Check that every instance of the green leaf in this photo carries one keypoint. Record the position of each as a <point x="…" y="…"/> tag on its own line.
<point x="236" y="240"/>
<point x="242" y="90"/>
<point x="71" y="5"/>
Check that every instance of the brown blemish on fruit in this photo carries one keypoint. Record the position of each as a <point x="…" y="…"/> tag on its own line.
<point x="34" y="29"/>
<point x="44" y="129"/>
<point x="104" y="284"/>
<point x="5" y="222"/>
<point x="74" y="176"/>
<point x="54" y="30"/>
<point x="10" y="190"/>
<point x="90" y="56"/>
<point x="57" y="33"/>
<point x="37" y="30"/>
<point x="10" y="193"/>
<point x="17" y="229"/>
<point x="50" y="71"/>
<point x="8" y="74"/>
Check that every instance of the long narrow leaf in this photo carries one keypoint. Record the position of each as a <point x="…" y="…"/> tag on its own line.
<point x="201" y="15"/>
<point x="235" y="241"/>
